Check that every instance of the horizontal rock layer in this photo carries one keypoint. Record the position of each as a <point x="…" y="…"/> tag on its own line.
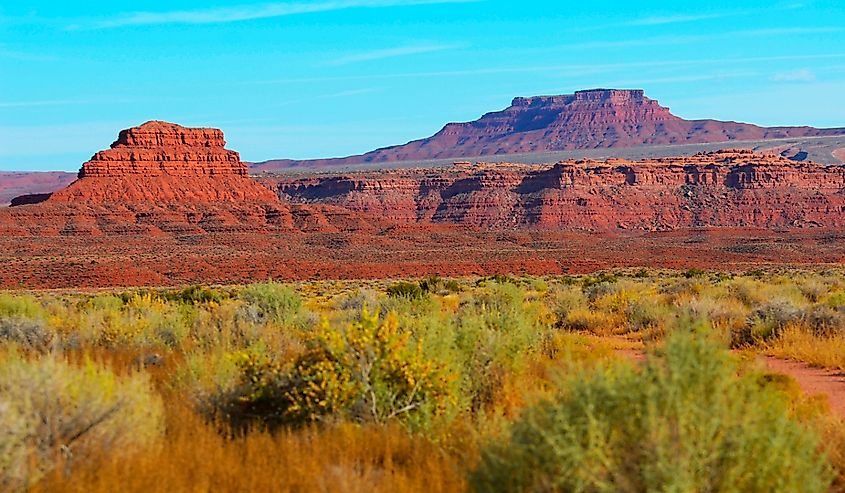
<point x="49" y="219"/>
<point x="164" y="163"/>
<point x="720" y="189"/>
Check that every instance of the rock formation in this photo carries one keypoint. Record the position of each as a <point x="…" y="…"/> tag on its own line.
<point x="733" y="188"/>
<point x="164" y="178"/>
<point x="161" y="162"/>
<point x="598" y="118"/>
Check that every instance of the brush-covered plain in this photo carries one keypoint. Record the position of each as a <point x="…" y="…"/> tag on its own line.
<point x="482" y="384"/>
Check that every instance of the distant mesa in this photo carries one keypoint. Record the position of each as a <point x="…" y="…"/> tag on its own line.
<point x="591" y="119"/>
<point x="16" y="183"/>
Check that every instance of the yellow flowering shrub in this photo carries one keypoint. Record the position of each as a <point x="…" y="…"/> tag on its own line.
<point x="367" y="371"/>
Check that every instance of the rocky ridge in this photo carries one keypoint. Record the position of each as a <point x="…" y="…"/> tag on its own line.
<point x="17" y="183"/>
<point x="728" y="189"/>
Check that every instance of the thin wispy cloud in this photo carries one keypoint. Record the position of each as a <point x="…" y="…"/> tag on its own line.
<point x="382" y="54"/>
<point x="801" y="75"/>
<point x="676" y="19"/>
<point x="24" y="56"/>
<point x="778" y="31"/>
<point x="219" y="15"/>
<point x="49" y="102"/>
<point x="349" y="93"/>
<point x="680" y="79"/>
<point x="574" y="68"/>
<point x="679" y="18"/>
<point x="697" y="38"/>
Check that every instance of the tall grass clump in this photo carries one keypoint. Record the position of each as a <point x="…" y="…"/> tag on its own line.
<point x="270" y="302"/>
<point x="686" y="422"/>
<point x="53" y="412"/>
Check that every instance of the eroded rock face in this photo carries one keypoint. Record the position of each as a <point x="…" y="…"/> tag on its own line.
<point x="160" y="162"/>
<point x="596" y="118"/>
<point x="161" y="178"/>
<point x="735" y="188"/>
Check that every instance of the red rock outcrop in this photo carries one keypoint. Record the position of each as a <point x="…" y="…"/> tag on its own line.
<point x="597" y="118"/>
<point x="728" y="189"/>
<point x="162" y="178"/>
<point x="160" y="162"/>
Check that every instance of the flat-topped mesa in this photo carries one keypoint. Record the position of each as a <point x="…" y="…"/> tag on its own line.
<point x="159" y="148"/>
<point x="165" y="163"/>
<point x="617" y="96"/>
<point x="589" y="119"/>
<point x="157" y="133"/>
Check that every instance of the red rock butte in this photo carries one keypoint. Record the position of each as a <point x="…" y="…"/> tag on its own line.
<point x="163" y="162"/>
<point x="162" y="179"/>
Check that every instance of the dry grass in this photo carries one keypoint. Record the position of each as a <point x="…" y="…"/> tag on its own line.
<point x="833" y="436"/>
<point x="195" y="457"/>
<point x="800" y="344"/>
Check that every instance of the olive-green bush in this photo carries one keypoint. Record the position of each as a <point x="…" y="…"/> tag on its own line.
<point x="270" y="302"/>
<point x="685" y="422"/>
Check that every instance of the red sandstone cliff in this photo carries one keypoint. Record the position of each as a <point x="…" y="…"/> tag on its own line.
<point x="598" y="118"/>
<point x="164" y="178"/>
<point x="160" y="162"/>
<point x="720" y="189"/>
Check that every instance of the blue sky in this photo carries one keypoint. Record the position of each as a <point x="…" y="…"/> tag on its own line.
<point x="320" y="78"/>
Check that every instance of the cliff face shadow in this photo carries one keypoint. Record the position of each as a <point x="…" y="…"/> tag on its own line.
<point x="30" y="199"/>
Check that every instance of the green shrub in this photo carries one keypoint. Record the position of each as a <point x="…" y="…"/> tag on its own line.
<point x="693" y="272"/>
<point x="196" y="294"/>
<point x="431" y="284"/>
<point x="685" y="422"/>
<point x="24" y="306"/>
<point x="51" y="410"/>
<point x="836" y="299"/>
<point x="566" y="299"/>
<point x="270" y="302"/>
<point x="405" y="289"/>
<point x="104" y="302"/>
<point x="824" y="320"/>
<point x="770" y="318"/>
<point x="600" y="278"/>
<point x="360" y="299"/>
<point x="452" y="286"/>
<point x="495" y="332"/>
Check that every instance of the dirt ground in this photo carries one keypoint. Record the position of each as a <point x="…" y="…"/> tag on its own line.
<point x="112" y="261"/>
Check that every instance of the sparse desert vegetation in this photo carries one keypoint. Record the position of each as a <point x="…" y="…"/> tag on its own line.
<point x="482" y="384"/>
